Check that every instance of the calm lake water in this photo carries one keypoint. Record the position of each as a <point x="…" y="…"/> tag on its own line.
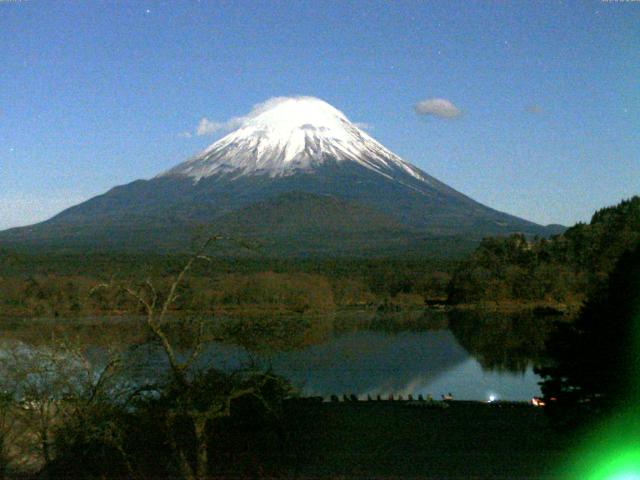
<point x="382" y="363"/>
<point x="473" y="356"/>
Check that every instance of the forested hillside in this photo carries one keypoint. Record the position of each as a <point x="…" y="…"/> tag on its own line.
<point x="561" y="270"/>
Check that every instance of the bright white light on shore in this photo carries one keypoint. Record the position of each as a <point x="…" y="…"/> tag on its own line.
<point x="492" y="396"/>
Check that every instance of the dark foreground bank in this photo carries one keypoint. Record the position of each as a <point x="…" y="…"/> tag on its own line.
<point x="397" y="440"/>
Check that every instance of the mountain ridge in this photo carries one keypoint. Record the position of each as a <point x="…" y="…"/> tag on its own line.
<point x="276" y="152"/>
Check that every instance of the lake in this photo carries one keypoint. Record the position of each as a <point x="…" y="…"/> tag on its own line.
<point x="472" y="355"/>
<point x="382" y="363"/>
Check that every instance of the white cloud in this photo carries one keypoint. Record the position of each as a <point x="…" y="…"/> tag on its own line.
<point x="437" y="107"/>
<point x="207" y="126"/>
<point x="259" y="108"/>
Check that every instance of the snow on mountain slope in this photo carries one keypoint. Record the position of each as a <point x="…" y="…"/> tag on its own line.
<point x="288" y="135"/>
<point x="352" y="196"/>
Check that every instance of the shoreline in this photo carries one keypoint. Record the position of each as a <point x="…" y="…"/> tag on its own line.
<point x="281" y="311"/>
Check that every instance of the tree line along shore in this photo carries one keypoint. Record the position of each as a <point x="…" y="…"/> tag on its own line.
<point x="507" y="273"/>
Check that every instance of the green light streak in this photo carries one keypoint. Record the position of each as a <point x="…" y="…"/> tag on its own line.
<point x="623" y="466"/>
<point x="612" y="450"/>
<point x="610" y="453"/>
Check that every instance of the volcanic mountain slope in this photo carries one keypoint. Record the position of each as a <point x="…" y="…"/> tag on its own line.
<point x="295" y="169"/>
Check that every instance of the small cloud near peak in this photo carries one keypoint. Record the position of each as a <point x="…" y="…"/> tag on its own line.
<point x="437" y="107"/>
<point x="207" y="126"/>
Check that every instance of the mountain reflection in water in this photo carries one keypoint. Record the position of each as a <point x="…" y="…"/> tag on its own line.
<point x="470" y="354"/>
<point x="367" y="362"/>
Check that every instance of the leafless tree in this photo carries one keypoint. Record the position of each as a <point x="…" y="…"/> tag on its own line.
<point x="42" y="388"/>
<point x="189" y="405"/>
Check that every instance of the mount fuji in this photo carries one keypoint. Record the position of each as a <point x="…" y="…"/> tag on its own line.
<point x="285" y="136"/>
<point x="298" y="176"/>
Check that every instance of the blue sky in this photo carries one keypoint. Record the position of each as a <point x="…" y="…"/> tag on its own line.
<point x="97" y="94"/>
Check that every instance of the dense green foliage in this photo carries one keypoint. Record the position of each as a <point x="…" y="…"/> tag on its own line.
<point x="594" y="360"/>
<point x="558" y="270"/>
<point x="512" y="268"/>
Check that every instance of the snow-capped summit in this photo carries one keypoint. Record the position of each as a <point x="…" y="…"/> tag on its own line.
<point x="296" y="175"/>
<point x="286" y="135"/>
